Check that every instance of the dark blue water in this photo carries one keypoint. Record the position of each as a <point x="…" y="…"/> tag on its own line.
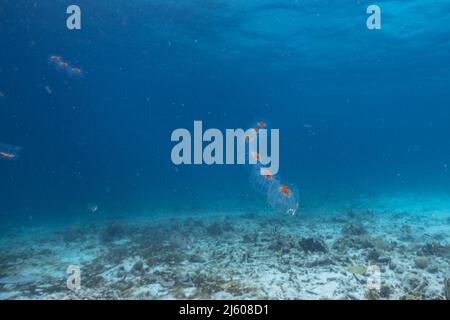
<point x="359" y="111"/>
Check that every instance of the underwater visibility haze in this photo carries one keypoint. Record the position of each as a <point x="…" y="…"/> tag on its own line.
<point x="89" y="182"/>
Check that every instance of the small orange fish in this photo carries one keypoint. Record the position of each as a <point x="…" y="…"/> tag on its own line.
<point x="285" y="190"/>
<point x="55" y="58"/>
<point x="255" y="129"/>
<point x="76" y="70"/>
<point x="266" y="173"/>
<point x="261" y="124"/>
<point x="63" y="64"/>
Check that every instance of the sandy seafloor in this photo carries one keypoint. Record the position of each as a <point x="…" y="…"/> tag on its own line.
<point x="320" y="253"/>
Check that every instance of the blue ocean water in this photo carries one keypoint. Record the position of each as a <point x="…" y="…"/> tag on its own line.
<point x="359" y="111"/>
<point x="363" y="117"/>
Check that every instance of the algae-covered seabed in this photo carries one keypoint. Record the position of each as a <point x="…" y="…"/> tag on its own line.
<point x="322" y="253"/>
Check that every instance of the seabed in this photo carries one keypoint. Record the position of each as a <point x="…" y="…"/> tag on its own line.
<point x="322" y="253"/>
